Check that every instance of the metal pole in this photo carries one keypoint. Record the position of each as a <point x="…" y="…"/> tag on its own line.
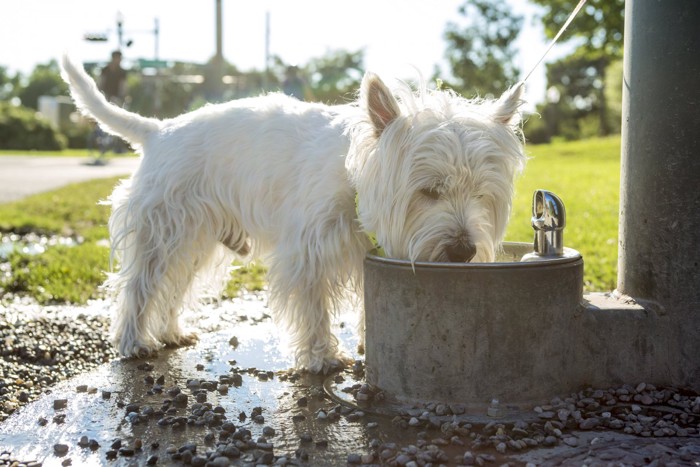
<point x="659" y="254"/>
<point x="156" y="34"/>
<point x="218" y="61"/>
<point x="120" y="30"/>
<point x="266" y="80"/>
<point x="219" y="33"/>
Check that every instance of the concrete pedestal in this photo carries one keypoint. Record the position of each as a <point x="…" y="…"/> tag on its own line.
<point x="468" y="333"/>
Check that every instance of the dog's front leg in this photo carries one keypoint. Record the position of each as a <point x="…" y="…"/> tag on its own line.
<point x="303" y="299"/>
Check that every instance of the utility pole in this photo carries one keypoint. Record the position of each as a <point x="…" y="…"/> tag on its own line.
<point x="120" y="30"/>
<point x="219" y="33"/>
<point x="156" y="34"/>
<point x="218" y="71"/>
<point x="266" y="79"/>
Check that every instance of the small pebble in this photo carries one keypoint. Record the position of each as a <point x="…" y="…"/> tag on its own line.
<point x="60" y="449"/>
<point x="59" y="404"/>
<point x="589" y="423"/>
<point x="647" y="399"/>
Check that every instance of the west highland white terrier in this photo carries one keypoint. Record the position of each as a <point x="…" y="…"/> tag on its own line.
<point x="299" y="185"/>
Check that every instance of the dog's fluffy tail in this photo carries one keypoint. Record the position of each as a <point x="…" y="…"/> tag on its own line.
<point x="91" y="102"/>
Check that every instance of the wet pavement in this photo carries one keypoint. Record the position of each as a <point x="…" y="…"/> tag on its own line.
<point x="232" y="400"/>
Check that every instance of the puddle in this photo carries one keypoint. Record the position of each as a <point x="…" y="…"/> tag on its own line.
<point x="240" y="343"/>
<point x="32" y="243"/>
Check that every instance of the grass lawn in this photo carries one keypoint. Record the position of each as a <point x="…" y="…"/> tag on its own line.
<point x="585" y="174"/>
<point x="72" y="274"/>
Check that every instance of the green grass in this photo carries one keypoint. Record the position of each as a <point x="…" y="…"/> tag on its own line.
<point x="70" y="211"/>
<point x="60" y="275"/>
<point x="585" y="174"/>
<point x="73" y="274"/>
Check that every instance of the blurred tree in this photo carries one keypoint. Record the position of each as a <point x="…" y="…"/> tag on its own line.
<point x="598" y="26"/>
<point x="332" y="78"/>
<point x="9" y="85"/>
<point x="23" y="128"/>
<point x="45" y="80"/>
<point x="480" y="51"/>
<point x="613" y="95"/>
<point x="335" y="77"/>
<point x="164" y="94"/>
<point x="597" y="31"/>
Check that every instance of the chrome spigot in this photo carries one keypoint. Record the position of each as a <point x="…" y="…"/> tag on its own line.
<point x="548" y="220"/>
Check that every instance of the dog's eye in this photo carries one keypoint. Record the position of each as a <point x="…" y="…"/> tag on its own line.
<point x="431" y="193"/>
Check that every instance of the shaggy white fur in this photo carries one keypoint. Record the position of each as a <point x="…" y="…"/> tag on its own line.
<point x="275" y="178"/>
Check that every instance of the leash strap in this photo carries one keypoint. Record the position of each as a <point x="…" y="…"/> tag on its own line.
<point x="556" y="38"/>
<point x="377" y="250"/>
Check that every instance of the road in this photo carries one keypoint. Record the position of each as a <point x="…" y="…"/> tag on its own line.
<point x="21" y="176"/>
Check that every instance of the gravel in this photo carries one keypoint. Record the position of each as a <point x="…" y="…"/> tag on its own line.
<point x="642" y="410"/>
<point x="41" y="349"/>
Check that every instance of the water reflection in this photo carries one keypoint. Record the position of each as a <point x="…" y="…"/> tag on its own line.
<point x="32" y="243"/>
<point x="267" y="398"/>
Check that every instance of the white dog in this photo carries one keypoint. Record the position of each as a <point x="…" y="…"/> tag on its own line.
<point x="300" y="185"/>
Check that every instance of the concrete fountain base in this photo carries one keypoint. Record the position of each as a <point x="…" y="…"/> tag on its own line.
<point x="512" y="331"/>
<point x="470" y="333"/>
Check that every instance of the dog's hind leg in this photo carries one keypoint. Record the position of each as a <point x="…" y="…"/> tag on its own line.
<point x="132" y="327"/>
<point x="198" y="269"/>
<point x="158" y="267"/>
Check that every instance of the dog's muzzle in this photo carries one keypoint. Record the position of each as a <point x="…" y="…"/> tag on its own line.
<point x="460" y="252"/>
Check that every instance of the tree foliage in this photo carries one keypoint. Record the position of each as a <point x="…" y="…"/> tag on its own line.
<point x="480" y="50"/>
<point x="45" y="80"/>
<point x="8" y="84"/>
<point x="335" y="76"/>
<point x="580" y="81"/>
<point x="22" y="128"/>
<point x="598" y="26"/>
<point x="332" y="78"/>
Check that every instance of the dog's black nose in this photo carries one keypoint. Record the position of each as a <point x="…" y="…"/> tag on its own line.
<point x="460" y="252"/>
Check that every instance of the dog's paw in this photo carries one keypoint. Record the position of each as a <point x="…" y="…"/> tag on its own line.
<point x="137" y="350"/>
<point x="336" y="364"/>
<point x="329" y="364"/>
<point x="182" y="340"/>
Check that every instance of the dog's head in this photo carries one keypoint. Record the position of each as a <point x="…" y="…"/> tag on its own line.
<point x="434" y="171"/>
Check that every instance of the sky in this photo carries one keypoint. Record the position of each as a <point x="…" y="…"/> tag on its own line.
<point x="398" y="36"/>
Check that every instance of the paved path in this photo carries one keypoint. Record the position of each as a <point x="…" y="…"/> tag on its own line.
<point x="21" y="176"/>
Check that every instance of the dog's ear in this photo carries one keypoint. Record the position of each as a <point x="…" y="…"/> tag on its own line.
<point x="378" y="101"/>
<point x="506" y="109"/>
